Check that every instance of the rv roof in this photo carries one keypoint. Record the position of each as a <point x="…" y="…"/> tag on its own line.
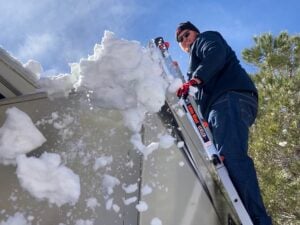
<point x="15" y="80"/>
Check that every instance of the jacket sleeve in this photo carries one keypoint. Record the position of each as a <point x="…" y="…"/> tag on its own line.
<point x="211" y="51"/>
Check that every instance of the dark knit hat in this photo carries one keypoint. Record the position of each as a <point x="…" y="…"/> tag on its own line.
<point x="185" y="26"/>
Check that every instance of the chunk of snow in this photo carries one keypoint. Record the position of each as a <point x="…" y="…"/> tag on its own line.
<point x="102" y="162"/>
<point x="116" y="208"/>
<point x="136" y="75"/>
<point x="17" y="219"/>
<point x="130" y="188"/>
<point x="181" y="163"/>
<point x="149" y="149"/>
<point x="35" y="67"/>
<point x="18" y="135"/>
<point x="84" y="222"/>
<point x="156" y="221"/>
<point x="58" y="86"/>
<point x="109" y="204"/>
<point x="92" y="203"/>
<point x="129" y="201"/>
<point x="146" y="190"/>
<point x="166" y="141"/>
<point x="136" y="140"/>
<point x="47" y="178"/>
<point x="142" y="206"/>
<point x="180" y="144"/>
<point x="109" y="182"/>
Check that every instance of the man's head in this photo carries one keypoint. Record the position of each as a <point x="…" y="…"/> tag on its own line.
<point x="186" y="34"/>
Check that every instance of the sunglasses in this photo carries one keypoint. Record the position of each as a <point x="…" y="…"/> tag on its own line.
<point x="185" y="35"/>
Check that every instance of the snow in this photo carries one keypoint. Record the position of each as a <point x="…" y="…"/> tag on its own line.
<point x="59" y="85"/>
<point x="66" y="121"/>
<point x="146" y="190"/>
<point x="130" y="78"/>
<point x="109" y="204"/>
<point x="180" y="144"/>
<point x="181" y="163"/>
<point x="120" y="75"/>
<point x="131" y="200"/>
<point x="18" y="135"/>
<point x="60" y="122"/>
<point x="142" y="206"/>
<point x="116" y="208"/>
<point x="149" y="149"/>
<point x="47" y="178"/>
<point x="109" y="182"/>
<point x="156" y="221"/>
<point x="130" y="188"/>
<point x="92" y="203"/>
<point x="102" y="162"/>
<point x="84" y="222"/>
<point x="133" y="118"/>
<point x="35" y="67"/>
<point x="166" y="141"/>
<point x="17" y="219"/>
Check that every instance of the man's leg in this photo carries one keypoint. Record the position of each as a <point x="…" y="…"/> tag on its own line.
<point x="230" y="118"/>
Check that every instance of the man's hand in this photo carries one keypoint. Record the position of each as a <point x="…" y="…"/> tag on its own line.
<point x="183" y="91"/>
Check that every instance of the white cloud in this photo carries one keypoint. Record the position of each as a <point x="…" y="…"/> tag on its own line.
<point x="36" y="45"/>
<point x="56" y="33"/>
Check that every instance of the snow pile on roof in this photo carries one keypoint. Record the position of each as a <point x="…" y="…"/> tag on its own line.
<point x="123" y="75"/>
<point x="35" y="67"/>
<point x="22" y="70"/>
<point x="120" y="75"/>
<point x="18" y="135"/>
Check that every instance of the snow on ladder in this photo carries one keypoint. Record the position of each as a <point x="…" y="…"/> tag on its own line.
<point x="203" y="133"/>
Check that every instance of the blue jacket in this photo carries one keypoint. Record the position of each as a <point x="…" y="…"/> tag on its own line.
<point x="214" y="62"/>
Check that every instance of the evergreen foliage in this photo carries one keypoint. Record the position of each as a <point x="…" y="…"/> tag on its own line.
<point x="279" y="55"/>
<point x="275" y="140"/>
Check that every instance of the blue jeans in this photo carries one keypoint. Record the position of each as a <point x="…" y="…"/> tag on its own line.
<point x="230" y="117"/>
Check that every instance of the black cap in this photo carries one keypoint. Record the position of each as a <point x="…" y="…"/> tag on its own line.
<point x="185" y="26"/>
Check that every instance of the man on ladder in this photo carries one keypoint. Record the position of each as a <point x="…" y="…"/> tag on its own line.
<point x="228" y="101"/>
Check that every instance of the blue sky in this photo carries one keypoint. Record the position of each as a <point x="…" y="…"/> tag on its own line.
<point x="58" y="32"/>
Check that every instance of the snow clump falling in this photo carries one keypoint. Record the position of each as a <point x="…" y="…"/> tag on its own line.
<point x="47" y="178"/>
<point x="18" y="135"/>
<point x="17" y="219"/>
<point x="156" y="221"/>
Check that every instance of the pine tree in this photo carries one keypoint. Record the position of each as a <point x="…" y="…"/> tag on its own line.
<point x="275" y="137"/>
<point x="280" y="55"/>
